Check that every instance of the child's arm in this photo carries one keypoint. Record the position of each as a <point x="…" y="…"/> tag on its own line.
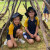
<point x="36" y="31"/>
<point x="11" y="27"/>
<point x="29" y="32"/>
<point x="36" y="27"/>
<point x="13" y="40"/>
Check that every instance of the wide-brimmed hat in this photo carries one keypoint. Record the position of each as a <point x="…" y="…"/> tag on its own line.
<point x="16" y="15"/>
<point x="28" y="10"/>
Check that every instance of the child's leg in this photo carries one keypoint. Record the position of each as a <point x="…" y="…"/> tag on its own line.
<point x="44" y="16"/>
<point x="47" y="12"/>
<point x="19" y="34"/>
<point x="44" y="13"/>
<point x="9" y="43"/>
<point x="30" y="41"/>
<point x="38" y="38"/>
<point x="47" y="16"/>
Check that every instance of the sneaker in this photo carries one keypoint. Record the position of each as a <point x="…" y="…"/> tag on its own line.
<point x="5" y="43"/>
<point x="46" y="20"/>
<point x="24" y="35"/>
<point x="22" y="41"/>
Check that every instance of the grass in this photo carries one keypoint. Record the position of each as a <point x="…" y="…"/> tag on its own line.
<point x="37" y="45"/>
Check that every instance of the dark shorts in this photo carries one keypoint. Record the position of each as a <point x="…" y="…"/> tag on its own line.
<point x="46" y="11"/>
<point x="28" y="36"/>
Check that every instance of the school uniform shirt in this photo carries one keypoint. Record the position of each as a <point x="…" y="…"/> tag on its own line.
<point x="12" y="30"/>
<point x="31" y="25"/>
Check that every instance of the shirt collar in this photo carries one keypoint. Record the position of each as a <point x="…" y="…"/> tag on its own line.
<point x="33" y="19"/>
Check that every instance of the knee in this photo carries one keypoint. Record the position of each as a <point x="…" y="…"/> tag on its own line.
<point x="21" y="32"/>
<point x="38" y="40"/>
<point x="31" y="42"/>
<point x="18" y="31"/>
<point x="10" y="46"/>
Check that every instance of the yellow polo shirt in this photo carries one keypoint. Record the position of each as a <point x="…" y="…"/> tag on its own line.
<point x="26" y="22"/>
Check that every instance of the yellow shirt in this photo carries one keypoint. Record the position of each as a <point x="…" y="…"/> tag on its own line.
<point x="11" y="28"/>
<point x="26" y="22"/>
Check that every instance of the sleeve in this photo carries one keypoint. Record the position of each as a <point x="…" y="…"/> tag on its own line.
<point x="11" y="29"/>
<point x="26" y="23"/>
<point x="37" y="21"/>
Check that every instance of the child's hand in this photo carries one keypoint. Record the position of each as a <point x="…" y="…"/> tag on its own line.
<point x="15" y="45"/>
<point x="35" y="35"/>
<point x="32" y="36"/>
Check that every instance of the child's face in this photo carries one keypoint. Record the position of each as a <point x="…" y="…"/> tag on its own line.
<point x="16" y="20"/>
<point x="31" y="13"/>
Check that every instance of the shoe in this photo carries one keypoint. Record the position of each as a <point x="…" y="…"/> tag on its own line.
<point x="5" y="43"/>
<point x="46" y="20"/>
<point x="24" y="35"/>
<point x="22" y="41"/>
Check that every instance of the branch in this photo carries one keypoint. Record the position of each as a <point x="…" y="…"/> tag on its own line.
<point x="25" y="5"/>
<point x="18" y="6"/>
<point x="3" y="6"/>
<point x="13" y="3"/>
<point x="5" y="10"/>
<point x="46" y="3"/>
<point x="46" y="26"/>
<point x="7" y="6"/>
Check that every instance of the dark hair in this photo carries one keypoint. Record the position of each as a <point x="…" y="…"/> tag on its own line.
<point x="16" y="15"/>
<point x="29" y="9"/>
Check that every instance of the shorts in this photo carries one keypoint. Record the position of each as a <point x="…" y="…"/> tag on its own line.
<point x="46" y="11"/>
<point x="26" y="35"/>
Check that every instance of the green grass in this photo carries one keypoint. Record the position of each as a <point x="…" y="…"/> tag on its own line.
<point x="36" y="46"/>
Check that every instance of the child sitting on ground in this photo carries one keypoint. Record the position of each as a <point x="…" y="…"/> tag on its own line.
<point x="15" y="31"/>
<point x="31" y="26"/>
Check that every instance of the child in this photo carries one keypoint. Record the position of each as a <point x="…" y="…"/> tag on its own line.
<point x="31" y="26"/>
<point x="15" y="30"/>
<point x="45" y="12"/>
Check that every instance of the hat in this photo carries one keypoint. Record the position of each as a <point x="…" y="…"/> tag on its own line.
<point x="30" y="8"/>
<point x="15" y="15"/>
